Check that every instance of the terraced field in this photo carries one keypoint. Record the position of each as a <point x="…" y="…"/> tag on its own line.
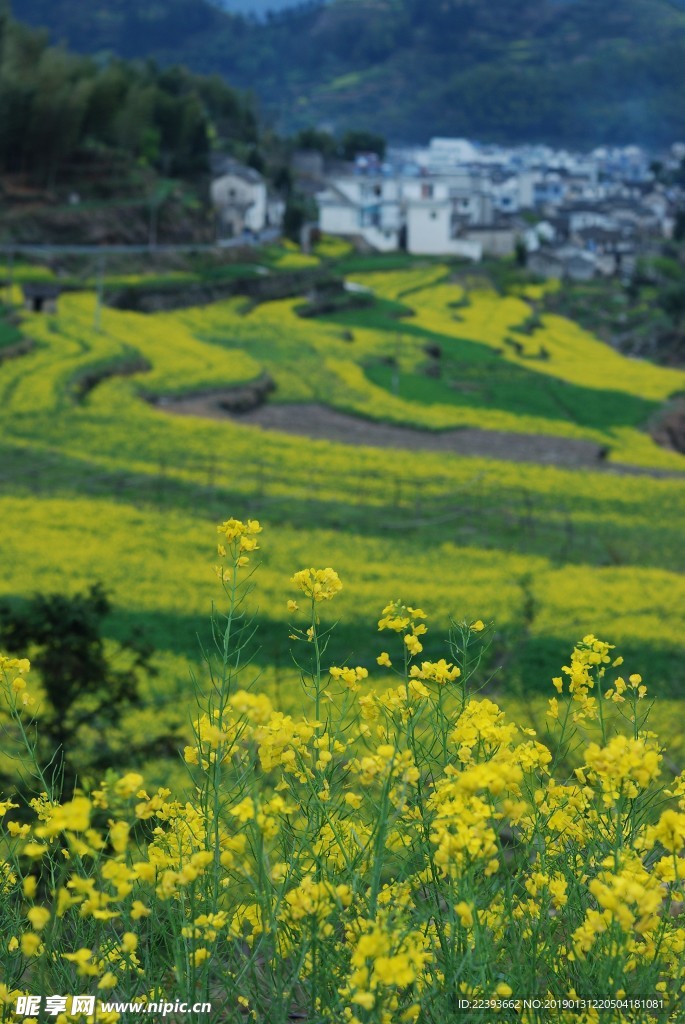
<point x="98" y="482"/>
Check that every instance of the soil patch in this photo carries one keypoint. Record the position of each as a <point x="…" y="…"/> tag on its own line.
<point x="669" y="431"/>
<point x="87" y="382"/>
<point x="321" y="423"/>
<point x="22" y="348"/>
<point x="155" y="298"/>
<point x="219" y="404"/>
<point x="318" y="421"/>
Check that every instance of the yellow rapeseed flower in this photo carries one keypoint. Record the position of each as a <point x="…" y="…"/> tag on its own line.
<point x="318" y="584"/>
<point x="38" y="917"/>
<point x="30" y="944"/>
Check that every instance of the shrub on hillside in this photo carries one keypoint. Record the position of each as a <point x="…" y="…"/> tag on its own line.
<point x="87" y="685"/>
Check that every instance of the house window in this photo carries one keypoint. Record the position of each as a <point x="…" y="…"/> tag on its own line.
<point x="371" y="217"/>
<point x="426" y="191"/>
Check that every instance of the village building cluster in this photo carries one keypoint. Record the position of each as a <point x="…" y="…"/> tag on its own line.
<point x="575" y="215"/>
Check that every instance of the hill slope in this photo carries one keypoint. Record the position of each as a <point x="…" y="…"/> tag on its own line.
<point x="569" y="71"/>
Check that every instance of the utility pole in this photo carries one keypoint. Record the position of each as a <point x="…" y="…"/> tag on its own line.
<point x="157" y="198"/>
<point x="97" y="317"/>
<point x="396" y="366"/>
<point x="10" y="279"/>
<point x="152" y="236"/>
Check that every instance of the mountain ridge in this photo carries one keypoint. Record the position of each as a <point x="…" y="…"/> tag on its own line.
<point x="258" y="8"/>
<point x="565" y="71"/>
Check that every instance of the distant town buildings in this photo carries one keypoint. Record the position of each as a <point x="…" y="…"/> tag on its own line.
<point x="576" y="215"/>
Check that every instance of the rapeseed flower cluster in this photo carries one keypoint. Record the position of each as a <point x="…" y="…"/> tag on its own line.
<point x="318" y="584"/>
<point x="15" y="671"/>
<point x="385" y="853"/>
<point x="236" y="537"/>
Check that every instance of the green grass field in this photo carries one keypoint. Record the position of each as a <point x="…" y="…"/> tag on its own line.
<point x="9" y="335"/>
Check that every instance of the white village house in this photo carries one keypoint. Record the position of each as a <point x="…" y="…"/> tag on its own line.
<point x="241" y="198"/>
<point x="440" y="211"/>
<point x="363" y="207"/>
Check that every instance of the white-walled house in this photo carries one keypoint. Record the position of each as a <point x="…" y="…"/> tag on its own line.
<point x="239" y="195"/>
<point x="526" y="188"/>
<point x="468" y="199"/>
<point x="433" y="230"/>
<point x="275" y="210"/>
<point x="542" y="233"/>
<point x="507" y="196"/>
<point x="454" y="215"/>
<point x="588" y="216"/>
<point x="444" y="154"/>
<point x="363" y="207"/>
<point x="549" y="189"/>
<point x="497" y="239"/>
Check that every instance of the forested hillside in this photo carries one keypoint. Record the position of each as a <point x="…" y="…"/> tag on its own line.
<point x="569" y="71"/>
<point x="61" y="113"/>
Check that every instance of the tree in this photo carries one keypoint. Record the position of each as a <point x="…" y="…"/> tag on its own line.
<point x="62" y="93"/>
<point x="322" y="142"/>
<point x="294" y="216"/>
<point x="679" y="226"/>
<point x="521" y="252"/>
<point x="679" y="175"/>
<point x="56" y="107"/>
<point x="673" y="303"/>
<point x="354" y="142"/>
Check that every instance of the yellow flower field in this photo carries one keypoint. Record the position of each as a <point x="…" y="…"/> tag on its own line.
<point x="401" y="759"/>
<point x="399" y="849"/>
<point x="110" y="471"/>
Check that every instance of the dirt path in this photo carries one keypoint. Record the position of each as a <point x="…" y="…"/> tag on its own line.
<point x="322" y="423"/>
<point x="319" y="421"/>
